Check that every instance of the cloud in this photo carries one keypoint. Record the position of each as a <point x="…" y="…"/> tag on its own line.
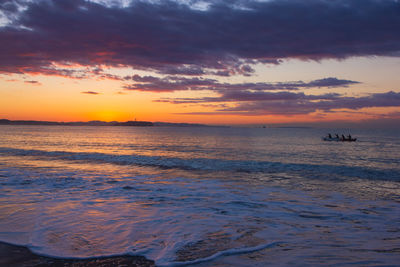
<point x="182" y="70"/>
<point x="331" y="82"/>
<point x="168" y="84"/>
<point x="90" y="93"/>
<point x="174" y="83"/>
<point x="239" y="96"/>
<point x="290" y="103"/>
<point x="33" y="82"/>
<point x="170" y="37"/>
<point x="306" y="104"/>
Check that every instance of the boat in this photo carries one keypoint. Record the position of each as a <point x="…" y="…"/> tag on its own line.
<point x="340" y="139"/>
<point x="349" y="140"/>
<point x="326" y="138"/>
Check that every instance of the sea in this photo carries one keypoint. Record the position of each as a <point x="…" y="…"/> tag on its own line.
<point x="204" y="196"/>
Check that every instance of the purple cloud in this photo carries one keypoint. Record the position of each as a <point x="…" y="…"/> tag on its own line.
<point x="168" y="84"/>
<point x="90" y="93"/>
<point x="173" y="38"/>
<point x="289" y="103"/>
<point x="33" y="82"/>
<point x="174" y="83"/>
<point x="182" y="70"/>
<point x="331" y="82"/>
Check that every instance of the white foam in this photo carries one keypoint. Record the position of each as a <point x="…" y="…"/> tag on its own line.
<point x="228" y="252"/>
<point x="171" y="202"/>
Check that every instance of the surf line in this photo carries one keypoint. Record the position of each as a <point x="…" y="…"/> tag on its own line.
<point x="228" y="252"/>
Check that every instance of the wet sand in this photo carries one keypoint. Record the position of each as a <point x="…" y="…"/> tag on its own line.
<point x="11" y="255"/>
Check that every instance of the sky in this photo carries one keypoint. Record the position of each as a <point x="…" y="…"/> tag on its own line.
<point x="214" y="62"/>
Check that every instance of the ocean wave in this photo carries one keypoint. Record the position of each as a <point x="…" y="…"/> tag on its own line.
<point x="228" y="252"/>
<point x="206" y="164"/>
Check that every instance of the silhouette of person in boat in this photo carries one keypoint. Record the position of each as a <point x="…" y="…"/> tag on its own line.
<point x="349" y="138"/>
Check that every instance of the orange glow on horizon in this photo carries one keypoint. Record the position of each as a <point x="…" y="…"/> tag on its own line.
<point x="55" y="97"/>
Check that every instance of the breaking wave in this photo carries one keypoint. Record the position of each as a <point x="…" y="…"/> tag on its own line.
<point x="206" y="164"/>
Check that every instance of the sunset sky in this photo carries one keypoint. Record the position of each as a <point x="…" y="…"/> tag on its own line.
<point x="216" y="62"/>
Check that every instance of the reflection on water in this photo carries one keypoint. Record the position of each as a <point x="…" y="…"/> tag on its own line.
<point x="246" y="197"/>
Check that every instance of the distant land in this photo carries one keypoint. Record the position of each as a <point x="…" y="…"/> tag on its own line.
<point x="98" y="123"/>
<point x="180" y="124"/>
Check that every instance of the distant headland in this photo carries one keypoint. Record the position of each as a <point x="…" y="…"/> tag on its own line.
<point x="76" y="123"/>
<point x="97" y="123"/>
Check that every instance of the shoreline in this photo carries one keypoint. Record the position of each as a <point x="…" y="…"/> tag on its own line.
<point x="76" y="123"/>
<point x="13" y="255"/>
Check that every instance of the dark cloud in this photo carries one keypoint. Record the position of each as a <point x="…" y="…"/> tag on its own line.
<point x="331" y="82"/>
<point x="99" y="73"/>
<point x="174" y="83"/>
<point x="90" y="93"/>
<point x="182" y="70"/>
<point x="290" y="103"/>
<point x="225" y="39"/>
<point x="239" y="96"/>
<point x="169" y="83"/>
<point x="32" y="82"/>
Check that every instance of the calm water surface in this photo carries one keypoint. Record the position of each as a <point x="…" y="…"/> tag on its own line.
<point x="212" y="196"/>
